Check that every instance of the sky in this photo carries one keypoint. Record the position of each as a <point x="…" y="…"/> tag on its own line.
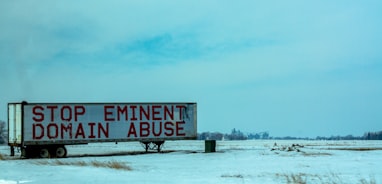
<point x="292" y="68"/>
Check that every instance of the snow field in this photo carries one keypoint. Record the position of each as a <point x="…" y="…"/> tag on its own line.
<point x="186" y="162"/>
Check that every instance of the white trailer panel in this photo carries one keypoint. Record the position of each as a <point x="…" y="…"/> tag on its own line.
<point x="72" y="123"/>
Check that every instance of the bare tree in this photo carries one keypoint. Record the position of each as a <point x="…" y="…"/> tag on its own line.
<point x="2" y="132"/>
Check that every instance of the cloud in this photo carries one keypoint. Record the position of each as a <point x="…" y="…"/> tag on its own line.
<point x="294" y="63"/>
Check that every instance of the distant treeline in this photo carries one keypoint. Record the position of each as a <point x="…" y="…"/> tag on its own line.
<point x="373" y="135"/>
<point x="239" y="135"/>
<point x="234" y="135"/>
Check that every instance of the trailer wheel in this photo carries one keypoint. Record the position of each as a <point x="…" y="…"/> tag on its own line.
<point x="24" y="153"/>
<point x="44" y="153"/>
<point x="61" y="152"/>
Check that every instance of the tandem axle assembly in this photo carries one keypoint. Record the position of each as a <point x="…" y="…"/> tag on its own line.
<point x="41" y="151"/>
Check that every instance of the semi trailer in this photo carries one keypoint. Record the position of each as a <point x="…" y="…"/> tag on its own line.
<point x="44" y="129"/>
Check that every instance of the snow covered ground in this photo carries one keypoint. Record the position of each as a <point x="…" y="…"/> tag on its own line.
<point x="258" y="161"/>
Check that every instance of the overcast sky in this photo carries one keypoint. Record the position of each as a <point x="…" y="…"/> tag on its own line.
<point x="299" y="68"/>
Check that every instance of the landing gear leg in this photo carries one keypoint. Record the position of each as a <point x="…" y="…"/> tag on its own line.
<point x="147" y="146"/>
<point x="157" y="145"/>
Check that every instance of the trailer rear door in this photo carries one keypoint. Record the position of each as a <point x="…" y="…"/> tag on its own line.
<point x="14" y="124"/>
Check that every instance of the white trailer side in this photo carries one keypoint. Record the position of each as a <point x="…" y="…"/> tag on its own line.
<point x="48" y="127"/>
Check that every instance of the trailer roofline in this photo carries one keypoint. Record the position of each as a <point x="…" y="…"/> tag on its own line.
<point x="96" y="103"/>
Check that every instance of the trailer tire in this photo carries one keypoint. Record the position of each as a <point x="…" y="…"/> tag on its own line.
<point x="61" y="152"/>
<point x="44" y="153"/>
<point x="24" y="153"/>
